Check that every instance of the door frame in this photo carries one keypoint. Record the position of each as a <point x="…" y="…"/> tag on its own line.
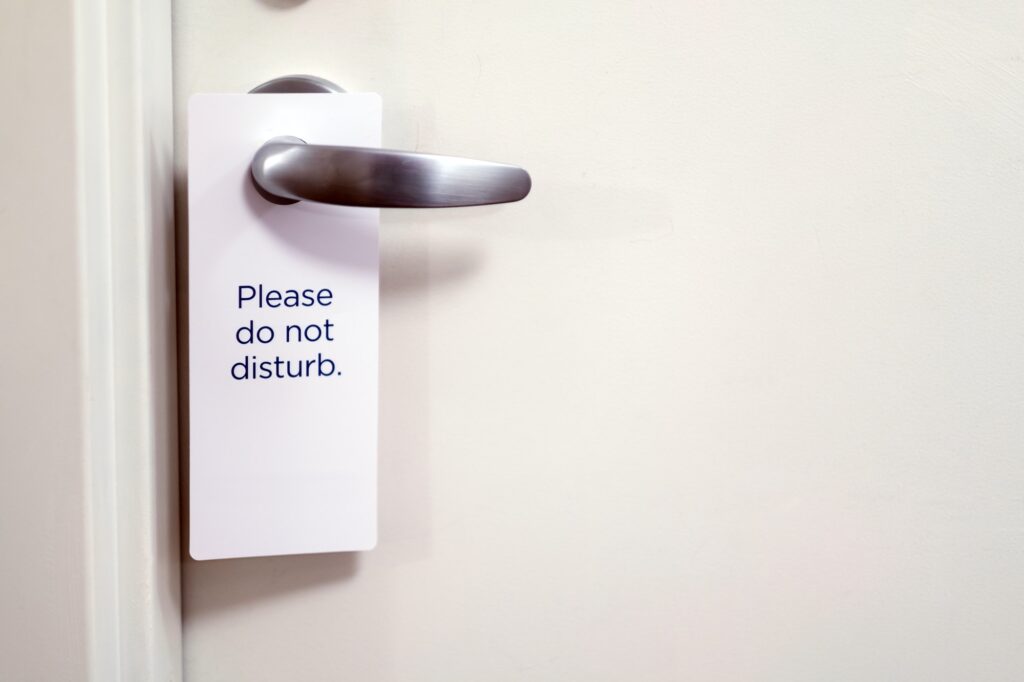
<point x="124" y="93"/>
<point x="104" y="526"/>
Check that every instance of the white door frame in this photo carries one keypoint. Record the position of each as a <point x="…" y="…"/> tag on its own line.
<point x="90" y="453"/>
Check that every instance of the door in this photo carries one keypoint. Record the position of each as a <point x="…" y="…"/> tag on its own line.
<point x="734" y="394"/>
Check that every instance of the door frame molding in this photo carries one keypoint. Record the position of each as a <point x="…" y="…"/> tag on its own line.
<point x="124" y="144"/>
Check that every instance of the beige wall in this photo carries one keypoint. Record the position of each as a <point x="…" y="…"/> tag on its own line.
<point x="44" y="593"/>
<point x="736" y="394"/>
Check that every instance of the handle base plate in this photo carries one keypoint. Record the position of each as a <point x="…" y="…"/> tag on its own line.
<point x="297" y="83"/>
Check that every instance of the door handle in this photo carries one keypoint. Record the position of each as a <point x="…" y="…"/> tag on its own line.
<point x="286" y="170"/>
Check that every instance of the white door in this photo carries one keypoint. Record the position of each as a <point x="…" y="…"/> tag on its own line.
<point x="735" y="394"/>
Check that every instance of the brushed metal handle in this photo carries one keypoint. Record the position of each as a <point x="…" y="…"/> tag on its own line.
<point x="286" y="170"/>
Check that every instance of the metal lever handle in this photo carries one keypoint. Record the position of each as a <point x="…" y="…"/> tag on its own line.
<point x="286" y="170"/>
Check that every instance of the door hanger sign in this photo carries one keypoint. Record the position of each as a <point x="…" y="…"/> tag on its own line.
<point x="283" y="320"/>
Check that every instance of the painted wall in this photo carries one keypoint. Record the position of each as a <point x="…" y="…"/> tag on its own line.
<point x="45" y="613"/>
<point x="736" y="394"/>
